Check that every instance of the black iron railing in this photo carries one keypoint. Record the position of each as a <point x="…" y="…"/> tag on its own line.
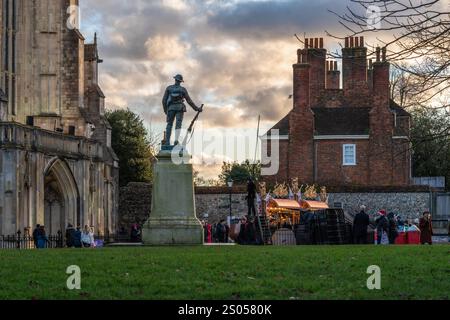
<point x="19" y="241"/>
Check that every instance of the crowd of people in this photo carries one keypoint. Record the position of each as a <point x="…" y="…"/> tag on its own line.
<point x="221" y="233"/>
<point x="74" y="237"/>
<point x="387" y="227"/>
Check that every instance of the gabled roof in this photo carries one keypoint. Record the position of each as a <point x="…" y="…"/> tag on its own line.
<point x="282" y="126"/>
<point x="399" y="110"/>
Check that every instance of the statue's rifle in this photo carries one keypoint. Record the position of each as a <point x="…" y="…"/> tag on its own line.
<point x="191" y="127"/>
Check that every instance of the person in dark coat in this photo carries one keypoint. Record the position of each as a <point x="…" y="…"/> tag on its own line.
<point x="242" y="238"/>
<point x="251" y="197"/>
<point x="77" y="238"/>
<point x="42" y="238"/>
<point x="382" y="225"/>
<point x="426" y="229"/>
<point x="360" y="224"/>
<point x="251" y="232"/>
<point x="221" y="232"/>
<point x="36" y="235"/>
<point x="135" y="233"/>
<point x="70" y="235"/>
<point x="393" y="226"/>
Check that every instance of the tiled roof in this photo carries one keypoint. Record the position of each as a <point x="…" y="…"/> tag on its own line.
<point x="339" y="121"/>
<point x="399" y="110"/>
<point x="282" y="125"/>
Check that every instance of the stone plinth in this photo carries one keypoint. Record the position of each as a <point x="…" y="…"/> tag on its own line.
<point x="173" y="219"/>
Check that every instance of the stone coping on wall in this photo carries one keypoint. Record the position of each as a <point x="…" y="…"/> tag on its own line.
<point x="330" y="189"/>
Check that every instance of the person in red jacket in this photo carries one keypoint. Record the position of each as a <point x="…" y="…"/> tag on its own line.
<point x="426" y="229"/>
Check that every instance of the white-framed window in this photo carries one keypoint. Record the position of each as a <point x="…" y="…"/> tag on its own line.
<point x="349" y="154"/>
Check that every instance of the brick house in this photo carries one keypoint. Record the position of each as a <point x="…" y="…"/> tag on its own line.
<point x="354" y="135"/>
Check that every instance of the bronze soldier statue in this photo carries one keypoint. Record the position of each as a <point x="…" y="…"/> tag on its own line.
<point x="174" y="108"/>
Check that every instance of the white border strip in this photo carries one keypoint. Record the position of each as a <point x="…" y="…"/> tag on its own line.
<point x="285" y="137"/>
<point x="342" y="137"/>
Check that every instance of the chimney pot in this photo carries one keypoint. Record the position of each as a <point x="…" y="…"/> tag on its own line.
<point x="378" y="54"/>
<point x="306" y="43"/>
<point x="361" y="42"/>
<point x="356" y="42"/>
<point x="384" y="53"/>
<point x="352" y="43"/>
<point x="321" y="43"/>
<point x="316" y="43"/>
<point x="335" y="66"/>
<point x="346" y="42"/>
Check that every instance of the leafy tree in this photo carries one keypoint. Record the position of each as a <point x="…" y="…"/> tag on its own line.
<point x="133" y="145"/>
<point x="240" y="172"/>
<point x="430" y="137"/>
<point x="200" y="181"/>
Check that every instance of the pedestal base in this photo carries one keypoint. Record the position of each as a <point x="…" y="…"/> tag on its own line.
<point x="173" y="218"/>
<point x="172" y="232"/>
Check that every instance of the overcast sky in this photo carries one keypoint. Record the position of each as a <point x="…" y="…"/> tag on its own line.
<point x="236" y="56"/>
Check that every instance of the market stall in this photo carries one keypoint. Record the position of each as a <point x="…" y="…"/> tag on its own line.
<point x="282" y="212"/>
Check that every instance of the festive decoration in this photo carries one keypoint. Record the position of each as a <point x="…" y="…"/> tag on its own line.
<point x="294" y="186"/>
<point x="311" y="193"/>
<point x="323" y="195"/>
<point x="281" y="191"/>
<point x="263" y="189"/>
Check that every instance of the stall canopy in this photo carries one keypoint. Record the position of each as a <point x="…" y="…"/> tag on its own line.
<point x="284" y="204"/>
<point x="313" y="205"/>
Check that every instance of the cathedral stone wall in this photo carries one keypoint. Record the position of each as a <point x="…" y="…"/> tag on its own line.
<point x="56" y="162"/>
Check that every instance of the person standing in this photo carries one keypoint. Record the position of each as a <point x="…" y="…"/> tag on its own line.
<point x="208" y="232"/>
<point x="86" y="237"/>
<point x="70" y="236"/>
<point x="77" y="238"/>
<point x="251" y="197"/>
<point x="426" y="229"/>
<point x="242" y="238"/>
<point x="42" y="239"/>
<point x="221" y="231"/>
<point x="36" y="235"/>
<point x="392" y="232"/>
<point x="382" y="225"/>
<point x="360" y="224"/>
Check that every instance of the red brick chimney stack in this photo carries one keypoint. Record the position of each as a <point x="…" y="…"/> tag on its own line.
<point x="381" y="70"/>
<point x="302" y="75"/>
<point x="333" y="75"/>
<point x="354" y="68"/>
<point x="301" y="120"/>
<point x="317" y="56"/>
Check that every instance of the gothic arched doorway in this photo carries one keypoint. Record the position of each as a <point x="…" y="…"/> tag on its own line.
<point x="60" y="198"/>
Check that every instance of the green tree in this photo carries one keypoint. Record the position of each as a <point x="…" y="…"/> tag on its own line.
<point x="430" y="137"/>
<point x="132" y="143"/>
<point x="240" y="172"/>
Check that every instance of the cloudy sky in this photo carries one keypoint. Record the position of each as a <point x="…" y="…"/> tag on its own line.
<point x="236" y="57"/>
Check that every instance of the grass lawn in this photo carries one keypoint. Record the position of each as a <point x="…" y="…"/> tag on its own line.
<point x="323" y="272"/>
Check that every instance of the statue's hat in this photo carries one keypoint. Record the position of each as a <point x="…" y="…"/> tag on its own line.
<point x="179" y="77"/>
